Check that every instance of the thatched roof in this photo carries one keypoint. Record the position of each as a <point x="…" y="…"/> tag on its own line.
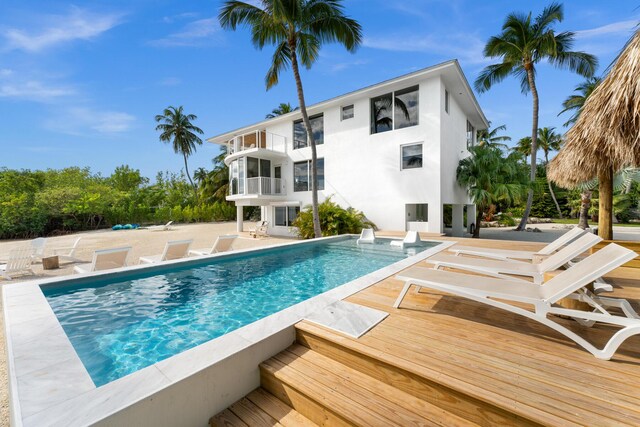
<point x="607" y="132"/>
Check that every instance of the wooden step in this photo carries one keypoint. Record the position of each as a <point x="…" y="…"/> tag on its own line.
<point x="331" y="393"/>
<point x="429" y="386"/>
<point x="261" y="409"/>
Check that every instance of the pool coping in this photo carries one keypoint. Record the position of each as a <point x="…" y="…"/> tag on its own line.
<point x="49" y="385"/>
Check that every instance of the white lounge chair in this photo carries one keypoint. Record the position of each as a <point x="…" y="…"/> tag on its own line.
<point x="174" y="249"/>
<point x="367" y="235"/>
<point x="165" y="227"/>
<point x="502" y="269"/>
<point x="222" y="244"/>
<point x="37" y="248"/>
<point x="527" y="255"/>
<point x="105" y="259"/>
<point x="18" y="263"/>
<point x="410" y="240"/>
<point x="496" y="292"/>
<point x="260" y="230"/>
<point x="68" y="253"/>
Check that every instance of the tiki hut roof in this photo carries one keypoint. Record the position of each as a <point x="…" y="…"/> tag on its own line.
<point x="607" y="132"/>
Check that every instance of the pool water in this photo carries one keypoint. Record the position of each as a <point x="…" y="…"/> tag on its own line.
<point x="122" y="325"/>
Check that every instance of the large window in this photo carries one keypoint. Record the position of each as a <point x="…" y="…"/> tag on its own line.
<point x="394" y="110"/>
<point x="411" y="156"/>
<point x="471" y="135"/>
<point x="302" y="175"/>
<point x="300" y="133"/>
<point x="285" y="215"/>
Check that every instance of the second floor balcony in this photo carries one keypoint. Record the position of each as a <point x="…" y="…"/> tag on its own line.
<point x="260" y="142"/>
<point x="256" y="187"/>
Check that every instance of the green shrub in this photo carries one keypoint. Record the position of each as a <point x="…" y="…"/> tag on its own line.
<point x="334" y="220"/>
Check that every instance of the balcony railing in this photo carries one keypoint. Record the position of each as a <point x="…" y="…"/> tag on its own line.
<point x="261" y="186"/>
<point x="258" y="139"/>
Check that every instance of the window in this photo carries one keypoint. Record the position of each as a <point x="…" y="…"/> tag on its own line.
<point x="302" y="175"/>
<point x="471" y="135"/>
<point x="347" y="112"/>
<point x="394" y="110"/>
<point x="300" y="133"/>
<point x="446" y="101"/>
<point x="285" y="215"/>
<point x="411" y="156"/>
<point x="406" y="108"/>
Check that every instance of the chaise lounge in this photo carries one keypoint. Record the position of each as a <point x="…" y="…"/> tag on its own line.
<point x="222" y="244"/>
<point x="105" y="259"/>
<point x="501" y="293"/>
<point x="174" y="249"/>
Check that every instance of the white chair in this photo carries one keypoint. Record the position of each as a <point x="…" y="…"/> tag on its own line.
<point x="37" y="248"/>
<point x="222" y="244"/>
<point x="412" y="239"/>
<point x="174" y="249"/>
<point x="367" y="235"/>
<point x="506" y="255"/>
<point x="500" y="268"/>
<point x="68" y="253"/>
<point x="260" y="230"/>
<point x="496" y="293"/>
<point x="165" y="227"/>
<point x="105" y="259"/>
<point x="18" y="263"/>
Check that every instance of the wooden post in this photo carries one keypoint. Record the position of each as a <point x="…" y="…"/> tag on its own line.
<point x="605" y="209"/>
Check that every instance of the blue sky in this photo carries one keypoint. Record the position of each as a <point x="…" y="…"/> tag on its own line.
<point x="80" y="83"/>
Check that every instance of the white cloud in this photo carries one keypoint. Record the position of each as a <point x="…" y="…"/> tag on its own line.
<point x="340" y="66"/>
<point x="33" y="90"/>
<point x="193" y="34"/>
<point x="178" y="17"/>
<point x="5" y="72"/>
<point x="78" y="24"/>
<point x="615" y="28"/>
<point x="83" y="121"/>
<point x="465" y="47"/>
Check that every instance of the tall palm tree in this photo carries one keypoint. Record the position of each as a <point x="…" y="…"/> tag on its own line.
<point x="574" y="103"/>
<point x="549" y="140"/>
<point x="176" y="128"/>
<point x="298" y="29"/>
<point x="491" y="178"/>
<point x="523" y="43"/>
<point x="281" y="109"/>
<point x="490" y="136"/>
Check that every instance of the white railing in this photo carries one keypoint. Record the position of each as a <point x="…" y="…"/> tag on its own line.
<point x="257" y="139"/>
<point x="262" y="186"/>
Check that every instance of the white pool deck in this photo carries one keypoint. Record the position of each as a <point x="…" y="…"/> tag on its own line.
<point x="49" y="385"/>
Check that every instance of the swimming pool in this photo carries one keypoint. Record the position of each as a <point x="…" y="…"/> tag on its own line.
<point x="120" y="326"/>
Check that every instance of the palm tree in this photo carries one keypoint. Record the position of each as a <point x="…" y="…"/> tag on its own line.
<point x="575" y="102"/>
<point x="491" y="137"/>
<point x="298" y="29"/>
<point x="523" y="146"/>
<point x="491" y="178"/>
<point x="283" y="108"/>
<point x="523" y="43"/>
<point x="549" y="140"/>
<point x="176" y="128"/>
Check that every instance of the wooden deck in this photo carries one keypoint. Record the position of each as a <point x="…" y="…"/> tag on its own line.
<point x="443" y="360"/>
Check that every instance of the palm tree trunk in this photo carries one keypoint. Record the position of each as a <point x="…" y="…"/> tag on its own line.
<point x="605" y="208"/>
<point x="553" y="195"/>
<point x="186" y="169"/>
<point x="312" y="143"/>
<point x="585" y="203"/>
<point x="534" y="145"/>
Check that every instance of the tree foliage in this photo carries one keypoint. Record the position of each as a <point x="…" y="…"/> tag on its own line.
<point x="334" y="220"/>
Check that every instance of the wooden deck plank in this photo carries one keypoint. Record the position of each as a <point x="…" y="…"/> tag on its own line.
<point x="226" y="418"/>
<point x="251" y="414"/>
<point x="277" y="409"/>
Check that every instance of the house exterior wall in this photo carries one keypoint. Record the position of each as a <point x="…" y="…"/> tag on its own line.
<point x="363" y="170"/>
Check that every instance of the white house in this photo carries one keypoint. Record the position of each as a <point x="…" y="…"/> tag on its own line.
<point x="389" y="150"/>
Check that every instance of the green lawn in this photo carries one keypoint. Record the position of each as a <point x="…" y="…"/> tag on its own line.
<point x="575" y="221"/>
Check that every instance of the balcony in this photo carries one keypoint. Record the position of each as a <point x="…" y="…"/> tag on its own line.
<point x="259" y="188"/>
<point x="260" y="143"/>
